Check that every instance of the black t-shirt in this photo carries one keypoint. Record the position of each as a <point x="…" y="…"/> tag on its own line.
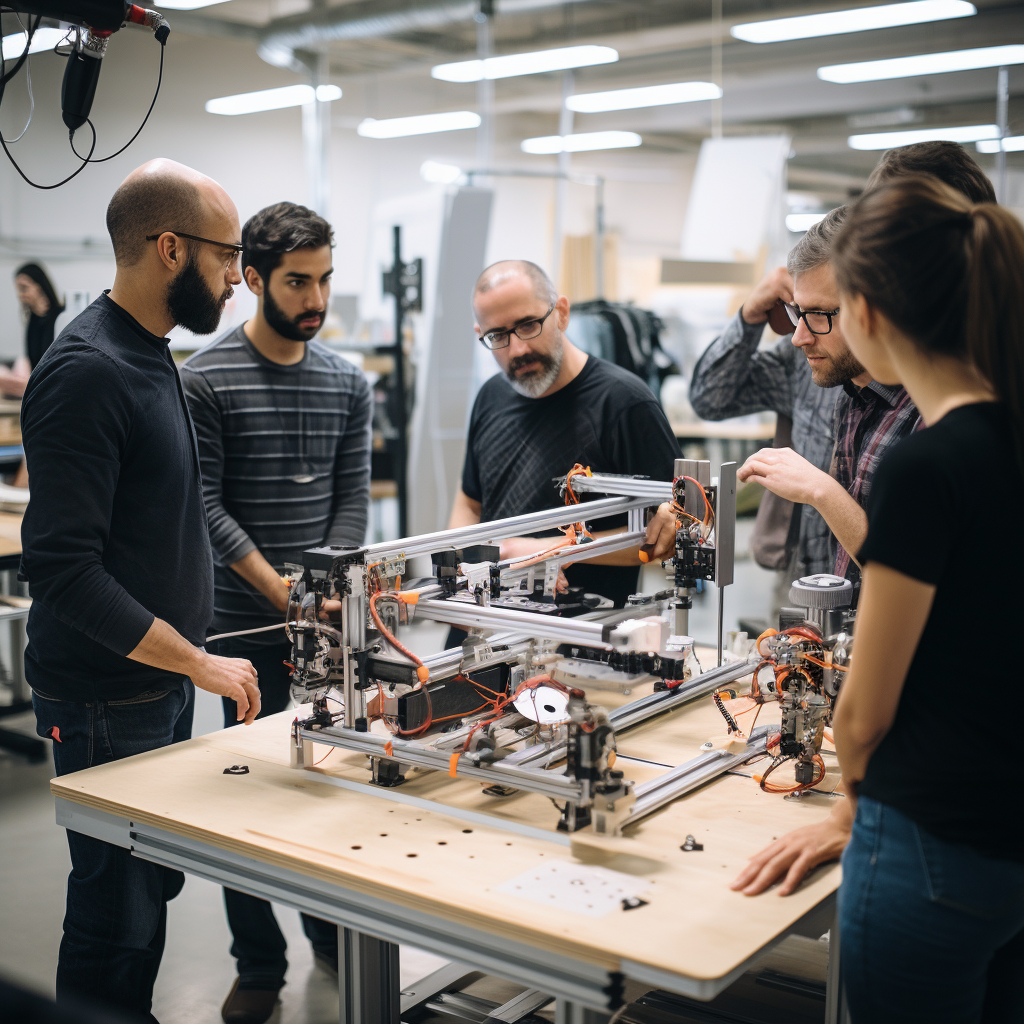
<point x="605" y="418"/>
<point x="945" y="508"/>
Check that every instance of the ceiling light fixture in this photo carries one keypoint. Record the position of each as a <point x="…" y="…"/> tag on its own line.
<point x="645" y="96"/>
<point x="584" y="142"/>
<point x="186" y="5"/>
<point x="43" y="39"/>
<point x="440" y="174"/>
<point x="887" y="140"/>
<point x="923" y="64"/>
<point x="863" y="19"/>
<point x="515" y="64"/>
<point x="422" y="124"/>
<point x="272" y="99"/>
<point x="1011" y="144"/>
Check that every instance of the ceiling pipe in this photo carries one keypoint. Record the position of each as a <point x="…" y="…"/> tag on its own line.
<point x="280" y="41"/>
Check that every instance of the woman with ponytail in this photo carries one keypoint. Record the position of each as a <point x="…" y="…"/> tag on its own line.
<point x="932" y="901"/>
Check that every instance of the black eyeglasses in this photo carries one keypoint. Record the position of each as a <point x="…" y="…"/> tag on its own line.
<point x="819" y="321"/>
<point x="525" y="331"/>
<point x="195" y="238"/>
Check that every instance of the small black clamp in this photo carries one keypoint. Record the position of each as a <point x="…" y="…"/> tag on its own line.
<point x="237" y="769"/>
<point x="632" y="902"/>
<point x="691" y="845"/>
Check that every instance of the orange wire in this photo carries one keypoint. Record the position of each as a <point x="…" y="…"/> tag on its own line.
<point x="390" y="637"/>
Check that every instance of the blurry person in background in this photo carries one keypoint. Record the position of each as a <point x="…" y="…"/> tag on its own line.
<point x="41" y="307"/>
<point x="39" y="299"/>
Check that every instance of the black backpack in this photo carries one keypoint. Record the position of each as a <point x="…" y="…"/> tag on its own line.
<point x="625" y="335"/>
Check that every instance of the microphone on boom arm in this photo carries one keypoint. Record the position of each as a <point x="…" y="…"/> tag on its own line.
<point x="83" y="68"/>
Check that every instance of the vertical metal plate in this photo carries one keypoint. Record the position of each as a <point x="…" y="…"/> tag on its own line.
<point x="725" y="525"/>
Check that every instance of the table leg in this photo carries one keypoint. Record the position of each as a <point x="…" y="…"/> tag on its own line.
<point x="568" y="1012"/>
<point x="836" y="1010"/>
<point x="368" y="986"/>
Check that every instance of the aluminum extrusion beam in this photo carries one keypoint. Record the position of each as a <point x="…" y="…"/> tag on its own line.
<point x="548" y="627"/>
<point x="499" y="529"/>
<point x="638" y="711"/>
<point x="652" y="795"/>
<point x="407" y="752"/>
<point x="656" y="491"/>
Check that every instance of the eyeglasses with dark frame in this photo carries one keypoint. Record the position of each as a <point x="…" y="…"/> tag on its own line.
<point x="818" y="321"/>
<point x="527" y="330"/>
<point x="236" y="246"/>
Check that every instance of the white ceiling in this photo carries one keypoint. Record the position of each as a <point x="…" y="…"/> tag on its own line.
<point x="767" y="87"/>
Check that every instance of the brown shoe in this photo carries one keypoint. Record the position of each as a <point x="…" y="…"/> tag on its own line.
<point x="248" y="1005"/>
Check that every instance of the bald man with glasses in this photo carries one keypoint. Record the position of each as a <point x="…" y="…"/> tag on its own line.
<point x="552" y="406"/>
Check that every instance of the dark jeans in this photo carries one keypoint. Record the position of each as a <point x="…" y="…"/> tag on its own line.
<point x="932" y="932"/>
<point x="258" y="946"/>
<point x="117" y="904"/>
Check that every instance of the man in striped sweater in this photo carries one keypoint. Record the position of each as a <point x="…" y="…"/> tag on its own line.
<point x="283" y="425"/>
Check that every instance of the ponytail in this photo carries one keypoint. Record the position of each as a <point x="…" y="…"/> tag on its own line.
<point x="995" y="308"/>
<point x="948" y="274"/>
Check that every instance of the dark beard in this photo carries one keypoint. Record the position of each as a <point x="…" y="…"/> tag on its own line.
<point x="841" y="370"/>
<point x="285" y="326"/>
<point x="190" y="301"/>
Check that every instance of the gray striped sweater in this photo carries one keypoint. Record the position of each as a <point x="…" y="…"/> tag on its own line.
<point x="264" y="430"/>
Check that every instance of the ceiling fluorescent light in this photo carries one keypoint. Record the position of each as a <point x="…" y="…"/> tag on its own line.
<point x="422" y="124"/>
<point x="863" y="19"/>
<point x="186" y="5"/>
<point x="803" y="221"/>
<point x="43" y="39"/>
<point x="440" y="174"/>
<point x="923" y="64"/>
<point x="581" y="143"/>
<point x="645" y="96"/>
<point x="514" y="64"/>
<point x="1012" y="144"/>
<point x="272" y="99"/>
<point x="887" y="140"/>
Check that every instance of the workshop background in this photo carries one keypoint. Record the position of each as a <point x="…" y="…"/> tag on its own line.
<point x="679" y="220"/>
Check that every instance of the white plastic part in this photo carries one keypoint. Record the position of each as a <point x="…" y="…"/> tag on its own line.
<point x="544" y="704"/>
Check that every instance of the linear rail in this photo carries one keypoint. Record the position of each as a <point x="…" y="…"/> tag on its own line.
<point x="500" y="529"/>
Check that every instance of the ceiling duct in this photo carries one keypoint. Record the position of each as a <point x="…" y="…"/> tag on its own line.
<point x="280" y="41"/>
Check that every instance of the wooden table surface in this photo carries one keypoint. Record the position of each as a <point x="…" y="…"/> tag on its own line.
<point x="425" y="860"/>
<point x="10" y="533"/>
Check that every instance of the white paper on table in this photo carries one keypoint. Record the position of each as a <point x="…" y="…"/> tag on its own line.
<point x="578" y="888"/>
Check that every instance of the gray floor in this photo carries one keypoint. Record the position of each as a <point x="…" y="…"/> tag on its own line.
<point x="197" y="969"/>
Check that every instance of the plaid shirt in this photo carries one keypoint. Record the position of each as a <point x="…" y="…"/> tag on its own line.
<point x="868" y="422"/>
<point x="734" y="378"/>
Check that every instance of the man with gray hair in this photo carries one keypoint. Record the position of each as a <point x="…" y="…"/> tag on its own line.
<point x="550" y="407"/>
<point x="843" y="421"/>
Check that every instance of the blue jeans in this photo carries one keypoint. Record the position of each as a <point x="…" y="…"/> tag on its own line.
<point x="932" y="932"/>
<point x="116" y="904"/>
<point x="258" y="944"/>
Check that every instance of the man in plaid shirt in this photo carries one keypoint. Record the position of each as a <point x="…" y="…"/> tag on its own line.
<point x="867" y="419"/>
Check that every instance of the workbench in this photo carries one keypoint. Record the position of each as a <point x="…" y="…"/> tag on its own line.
<point x="438" y="864"/>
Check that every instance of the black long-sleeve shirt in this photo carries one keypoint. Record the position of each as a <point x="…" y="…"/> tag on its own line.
<point x="115" y="532"/>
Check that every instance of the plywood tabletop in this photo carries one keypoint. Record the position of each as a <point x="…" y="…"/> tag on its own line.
<point x="426" y="860"/>
<point x="10" y="533"/>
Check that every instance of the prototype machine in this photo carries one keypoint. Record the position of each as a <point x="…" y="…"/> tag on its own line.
<point x="802" y="668"/>
<point x="510" y="706"/>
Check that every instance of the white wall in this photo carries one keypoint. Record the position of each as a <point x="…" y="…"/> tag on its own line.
<point x="258" y="159"/>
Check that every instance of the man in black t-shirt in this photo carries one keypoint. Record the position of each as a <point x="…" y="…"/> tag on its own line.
<point x="551" y="407"/>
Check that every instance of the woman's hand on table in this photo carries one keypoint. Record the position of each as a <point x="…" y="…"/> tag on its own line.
<point x="796" y="853"/>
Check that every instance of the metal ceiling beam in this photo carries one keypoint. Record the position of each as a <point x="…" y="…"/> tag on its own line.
<point x="282" y="40"/>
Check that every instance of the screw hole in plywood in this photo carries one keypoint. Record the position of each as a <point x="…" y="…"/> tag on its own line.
<point x="356" y="847"/>
<point x="442" y="842"/>
<point x="467" y="830"/>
